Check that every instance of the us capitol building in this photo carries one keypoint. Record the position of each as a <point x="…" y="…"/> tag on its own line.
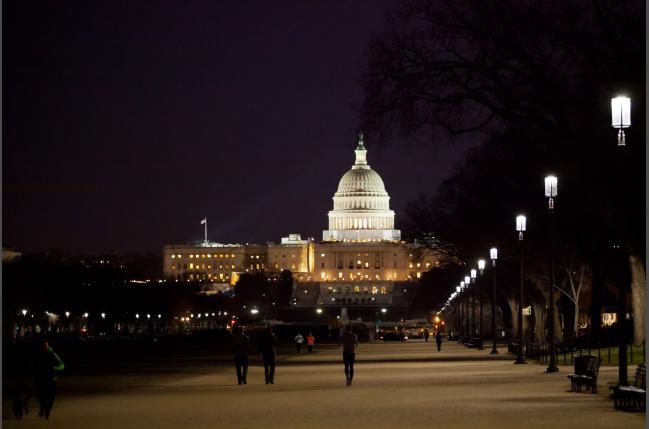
<point x="361" y="260"/>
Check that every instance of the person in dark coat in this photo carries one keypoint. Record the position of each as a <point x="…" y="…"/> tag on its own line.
<point x="46" y="365"/>
<point x="266" y="347"/>
<point x="426" y="334"/>
<point x="438" y="340"/>
<point x="240" y="343"/>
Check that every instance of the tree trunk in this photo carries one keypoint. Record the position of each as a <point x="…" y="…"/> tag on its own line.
<point x="539" y="326"/>
<point x="637" y="298"/>
<point x="596" y="296"/>
<point x="513" y="306"/>
<point x="575" y="324"/>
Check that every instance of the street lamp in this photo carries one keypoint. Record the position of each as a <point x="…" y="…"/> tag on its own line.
<point x="481" y="265"/>
<point x="621" y="116"/>
<point x="493" y="255"/>
<point x="458" y="309"/>
<point x="520" y="227"/>
<point x="318" y="310"/>
<point x="24" y="311"/>
<point x="473" y="276"/>
<point x="551" y="187"/>
<point x="465" y="331"/>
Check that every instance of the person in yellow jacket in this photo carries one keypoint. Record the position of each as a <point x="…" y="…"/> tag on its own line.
<point x="46" y="365"/>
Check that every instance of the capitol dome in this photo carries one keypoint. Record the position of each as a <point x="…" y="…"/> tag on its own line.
<point x="361" y="205"/>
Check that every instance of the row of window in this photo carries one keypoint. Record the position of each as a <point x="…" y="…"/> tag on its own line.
<point x="356" y="290"/>
<point x="205" y="255"/>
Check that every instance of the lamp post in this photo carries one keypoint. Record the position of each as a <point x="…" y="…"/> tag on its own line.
<point x="465" y="331"/>
<point x="520" y="227"/>
<point x="481" y="265"/>
<point x="551" y="183"/>
<point x="493" y="255"/>
<point x="457" y="311"/>
<point x="469" y="328"/>
<point x="473" y="288"/>
<point x="621" y="117"/>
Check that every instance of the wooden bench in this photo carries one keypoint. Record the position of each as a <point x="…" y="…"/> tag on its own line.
<point x="475" y="342"/>
<point x="632" y="397"/>
<point x="586" y="371"/>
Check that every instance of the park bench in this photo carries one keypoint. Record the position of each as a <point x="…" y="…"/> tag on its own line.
<point x="586" y="370"/>
<point x="632" y="397"/>
<point x="475" y="342"/>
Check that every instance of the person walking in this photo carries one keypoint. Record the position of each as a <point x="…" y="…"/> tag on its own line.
<point x="299" y="339"/>
<point x="310" y="341"/>
<point x="438" y="340"/>
<point x="349" y="341"/>
<point x="426" y="334"/>
<point x="46" y="365"/>
<point x="266" y="347"/>
<point x="240" y="343"/>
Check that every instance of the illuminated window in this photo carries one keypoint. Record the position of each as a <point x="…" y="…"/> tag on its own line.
<point x="418" y="265"/>
<point x="384" y="291"/>
<point x="427" y="264"/>
<point x="375" y="290"/>
<point x="367" y="265"/>
<point x="410" y="265"/>
<point x="191" y="266"/>
<point x="322" y="275"/>
<point x="322" y="255"/>
<point x="197" y="256"/>
<point x="340" y="275"/>
<point x="173" y="267"/>
<point x="191" y="256"/>
<point x="366" y="290"/>
<point x="418" y="275"/>
<point x="180" y="256"/>
<point x="173" y="256"/>
<point x="357" y="289"/>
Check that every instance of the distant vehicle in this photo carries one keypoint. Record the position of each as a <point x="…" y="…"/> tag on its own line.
<point x="393" y="336"/>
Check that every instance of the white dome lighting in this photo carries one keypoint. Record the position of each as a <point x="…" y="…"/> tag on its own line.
<point x="361" y="205"/>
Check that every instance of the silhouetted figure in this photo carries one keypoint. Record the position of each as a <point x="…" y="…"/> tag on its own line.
<point x="310" y="341"/>
<point x="266" y="347"/>
<point x="299" y="339"/>
<point x="240" y="343"/>
<point x="349" y="341"/>
<point x="426" y="334"/>
<point x="19" y="401"/>
<point x="46" y="365"/>
<point x="438" y="340"/>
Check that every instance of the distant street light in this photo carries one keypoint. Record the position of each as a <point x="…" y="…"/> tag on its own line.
<point x="384" y="310"/>
<point x="481" y="265"/>
<point x="473" y="277"/>
<point x="621" y="116"/>
<point x="254" y="311"/>
<point x="551" y="189"/>
<point x="318" y="310"/>
<point x="493" y="255"/>
<point x="103" y="315"/>
<point x="67" y="314"/>
<point x="24" y="311"/>
<point x="520" y="227"/>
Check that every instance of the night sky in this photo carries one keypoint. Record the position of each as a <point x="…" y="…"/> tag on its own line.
<point x="126" y="123"/>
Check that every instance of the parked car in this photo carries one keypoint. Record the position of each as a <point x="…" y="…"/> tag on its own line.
<point x="393" y="336"/>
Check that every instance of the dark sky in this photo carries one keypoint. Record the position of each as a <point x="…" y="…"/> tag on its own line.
<point x="125" y="123"/>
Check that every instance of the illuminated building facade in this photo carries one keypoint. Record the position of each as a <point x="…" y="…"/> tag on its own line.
<point x="361" y="259"/>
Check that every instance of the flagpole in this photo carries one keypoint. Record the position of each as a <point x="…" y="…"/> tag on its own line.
<point x="205" y="230"/>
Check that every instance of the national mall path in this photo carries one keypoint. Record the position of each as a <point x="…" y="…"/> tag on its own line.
<point x="397" y="385"/>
